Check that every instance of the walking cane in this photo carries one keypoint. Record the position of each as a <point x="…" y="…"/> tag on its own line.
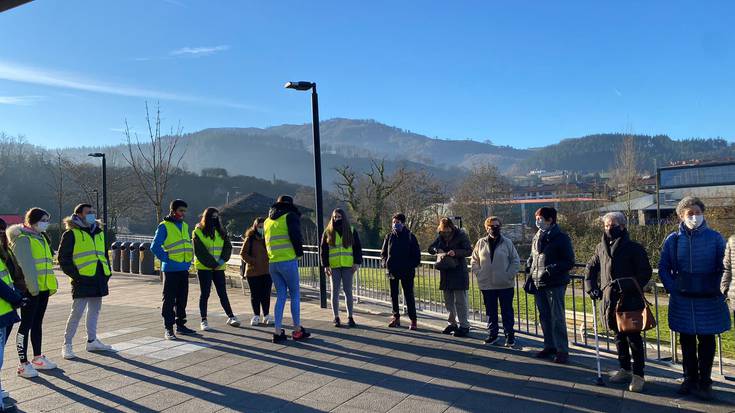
<point x="599" y="380"/>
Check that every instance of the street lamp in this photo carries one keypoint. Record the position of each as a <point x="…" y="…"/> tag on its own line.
<point x="104" y="192"/>
<point x="304" y="86"/>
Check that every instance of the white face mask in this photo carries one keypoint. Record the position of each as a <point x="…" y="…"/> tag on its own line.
<point x="541" y="224"/>
<point x="693" y="221"/>
<point x="42" y="226"/>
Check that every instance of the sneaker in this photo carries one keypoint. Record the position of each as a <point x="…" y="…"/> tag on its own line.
<point x="703" y="392"/>
<point x="462" y="332"/>
<point x="204" y="325"/>
<point x="169" y="335"/>
<point x="413" y="326"/>
<point x="510" y="341"/>
<point x="302" y="334"/>
<point x="561" y="358"/>
<point x="4" y="394"/>
<point x="492" y="339"/>
<point x="67" y="352"/>
<point x="636" y="384"/>
<point x="42" y="363"/>
<point x="279" y="338"/>
<point x="449" y="329"/>
<point x="97" y="345"/>
<point x="26" y="370"/>
<point x="268" y="320"/>
<point x="233" y="321"/>
<point x="687" y="387"/>
<point x="255" y="320"/>
<point x="337" y="322"/>
<point x="546" y="353"/>
<point x="394" y="322"/>
<point x="7" y="406"/>
<point x="351" y="322"/>
<point x="184" y="330"/>
<point x="621" y="376"/>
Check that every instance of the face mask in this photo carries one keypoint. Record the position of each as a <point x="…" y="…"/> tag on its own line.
<point x="178" y="215"/>
<point x="42" y="226"/>
<point x="397" y="227"/>
<point x="260" y="231"/>
<point x="693" y="221"/>
<point x="541" y="224"/>
<point x="446" y="234"/>
<point x="338" y="222"/>
<point x="90" y="219"/>
<point x="614" y="232"/>
<point x="214" y="220"/>
<point x="494" y="231"/>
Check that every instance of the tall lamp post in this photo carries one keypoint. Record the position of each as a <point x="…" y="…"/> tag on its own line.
<point x="304" y="86"/>
<point x="104" y="193"/>
<point x="97" y="196"/>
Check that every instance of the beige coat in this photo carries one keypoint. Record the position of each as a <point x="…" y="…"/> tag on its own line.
<point x="498" y="272"/>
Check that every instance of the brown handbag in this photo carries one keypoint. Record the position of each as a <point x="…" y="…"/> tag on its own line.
<point x="637" y="320"/>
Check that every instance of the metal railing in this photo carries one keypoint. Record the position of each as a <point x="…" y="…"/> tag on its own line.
<point x="371" y="284"/>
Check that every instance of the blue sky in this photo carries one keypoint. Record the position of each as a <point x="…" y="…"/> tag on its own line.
<point x="519" y="73"/>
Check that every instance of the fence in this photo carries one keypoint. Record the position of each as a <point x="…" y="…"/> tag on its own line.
<point x="372" y="285"/>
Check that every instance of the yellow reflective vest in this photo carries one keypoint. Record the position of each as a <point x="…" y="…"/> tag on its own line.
<point x="43" y="258"/>
<point x="5" y="306"/>
<point x="178" y="242"/>
<point x="214" y="246"/>
<point x="277" y="242"/>
<point x="88" y="251"/>
<point x="339" y="255"/>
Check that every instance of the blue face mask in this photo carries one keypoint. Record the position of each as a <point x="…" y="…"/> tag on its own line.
<point x="397" y="227"/>
<point x="90" y="219"/>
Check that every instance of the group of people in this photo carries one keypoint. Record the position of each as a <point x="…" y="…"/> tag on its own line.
<point x="696" y="268"/>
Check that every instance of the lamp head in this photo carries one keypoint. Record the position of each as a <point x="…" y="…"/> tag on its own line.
<point x="299" y="85"/>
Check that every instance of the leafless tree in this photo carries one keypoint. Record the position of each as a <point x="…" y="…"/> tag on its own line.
<point x="154" y="162"/>
<point x="421" y="198"/>
<point x="58" y="169"/>
<point x="476" y="196"/>
<point x="626" y="175"/>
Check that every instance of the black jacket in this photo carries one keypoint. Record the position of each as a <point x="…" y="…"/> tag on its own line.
<point x="205" y="257"/>
<point x="401" y="254"/>
<point x="552" y="257"/>
<point x="624" y="258"/>
<point x="81" y="286"/>
<point x="293" y="221"/>
<point x="457" y="278"/>
<point x="356" y="248"/>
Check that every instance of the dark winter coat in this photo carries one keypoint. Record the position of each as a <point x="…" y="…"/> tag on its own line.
<point x="401" y="254"/>
<point x="700" y="251"/>
<point x="356" y="248"/>
<point x="623" y="258"/>
<point x="81" y="286"/>
<point x="458" y="277"/>
<point x="293" y="221"/>
<point x="552" y="257"/>
<point x="255" y="255"/>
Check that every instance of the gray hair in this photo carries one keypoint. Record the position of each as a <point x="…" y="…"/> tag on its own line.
<point x="687" y="203"/>
<point x="617" y="216"/>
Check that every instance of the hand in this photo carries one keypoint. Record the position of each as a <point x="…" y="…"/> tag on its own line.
<point x="596" y="294"/>
<point x="355" y="267"/>
<point x="328" y="270"/>
<point x="451" y="253"/>
<point x="221" y="261"/>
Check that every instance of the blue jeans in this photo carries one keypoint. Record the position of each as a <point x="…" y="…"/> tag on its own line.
<point x="550" y="303"/>
<point x="286" y="279"/>
<point x="4" y="332"/>
<point x="505" y="297"/>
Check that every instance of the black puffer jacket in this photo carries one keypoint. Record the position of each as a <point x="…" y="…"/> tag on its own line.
<point x="552" y="257"/>
<point x="401" y="254"/>
<point x="458" y="277"/>
<point x="81" y="286"/>
<point x="623" y="258"/>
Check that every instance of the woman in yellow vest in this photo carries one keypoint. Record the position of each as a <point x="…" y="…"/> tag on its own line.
<point x="32" y="249"/>
<point x="341" y="253"/>
<point x="212" y="249"/>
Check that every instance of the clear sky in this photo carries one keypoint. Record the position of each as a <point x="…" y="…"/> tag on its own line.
<point x="519" y="73"/>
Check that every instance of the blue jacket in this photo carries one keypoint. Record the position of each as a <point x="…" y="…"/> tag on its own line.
<point x="700" y="251"/>
<point x="157" y="248"/>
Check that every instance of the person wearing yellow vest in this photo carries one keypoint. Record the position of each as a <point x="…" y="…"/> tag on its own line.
<point x="11" y="298"/>
<point x="83" y="258"/>
<point x="212" y="250"/>
<point x="172" y="246"/>
<point x="31" y="247"/>
<point x="341" y="254"/>
<point x="284" y="244"/>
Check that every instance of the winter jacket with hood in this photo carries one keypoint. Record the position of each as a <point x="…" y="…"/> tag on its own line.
<point x="552" y="257"/>
<point x="21" y="248"/>
<point x="203" y="254"/>
<point x="401" y="254"/>
<point x="458" y="277"/>
<point x="495" y="270"/>
<point x="157" y="248"/>
<point x="81" y="286"/>
<point x="255" y="255"/>
<point x="623" y="258"/>
<point x="293" y="221"/>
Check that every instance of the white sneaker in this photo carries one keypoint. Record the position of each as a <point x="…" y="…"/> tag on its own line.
<point x="620" y="376"/>
<point x="97" y="345"/>
<point x="268" y="320"/>
<point x="636" y="384"/>
<point x="42" y="363"/>
<point x="67" y="352"/>
<point x="255" y="320"/>
<point x="4" y="394"/>
<point x="27" y="371"/>
<point x="233" y="321"/>
<point x="204" y="325"/>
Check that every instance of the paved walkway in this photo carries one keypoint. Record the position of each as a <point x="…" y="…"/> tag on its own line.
<point x="368" y="369"/>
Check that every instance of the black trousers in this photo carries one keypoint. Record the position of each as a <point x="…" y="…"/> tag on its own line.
<point x="205" y="287"/>
<point x="698" y="359"/>
<point x="626" y="344"/>
<point x="505" y="298"/>
<point x="175" y="295"/>
<point x="407" y="284"/>
<point x="31" y="323"/>
<point x="260" y="293"/>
